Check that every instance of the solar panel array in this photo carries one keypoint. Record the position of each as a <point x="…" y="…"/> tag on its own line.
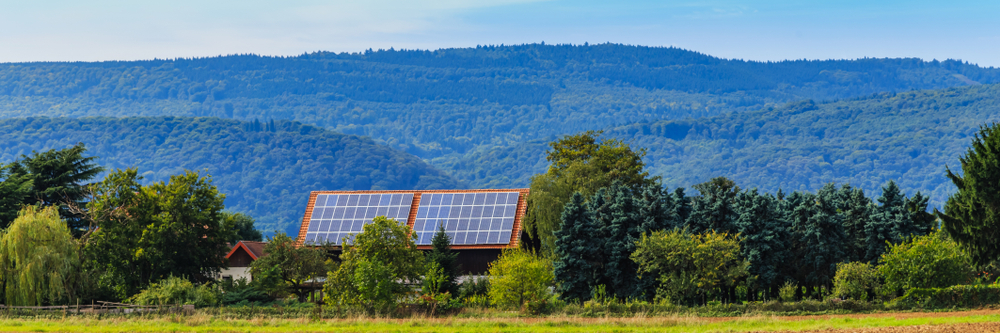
<point x="469" y="218"/>
<point x="336" y="216"/>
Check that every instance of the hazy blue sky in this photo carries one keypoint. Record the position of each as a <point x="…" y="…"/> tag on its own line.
<point x="759" y="30"/>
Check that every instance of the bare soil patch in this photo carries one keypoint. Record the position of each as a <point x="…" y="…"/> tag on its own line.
<point x="954" y="328"/>
<point x="897" y="315"/>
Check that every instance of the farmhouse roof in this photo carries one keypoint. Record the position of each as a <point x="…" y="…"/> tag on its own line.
<point x="415" y="209"/>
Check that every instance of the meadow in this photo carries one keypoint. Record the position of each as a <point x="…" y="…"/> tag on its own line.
<point x="977" y="320"/>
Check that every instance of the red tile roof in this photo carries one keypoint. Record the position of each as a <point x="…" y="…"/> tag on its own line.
<point x="514" y="237"/>
<point x="254" y="249"/>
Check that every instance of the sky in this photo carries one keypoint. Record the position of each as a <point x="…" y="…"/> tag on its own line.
<point x="97" y="30"/>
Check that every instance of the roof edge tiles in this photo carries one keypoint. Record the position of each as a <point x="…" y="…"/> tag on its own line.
<point x="515" y="238"/>
<point x="243" y="245"/>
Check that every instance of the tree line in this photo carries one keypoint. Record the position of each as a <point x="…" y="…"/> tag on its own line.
<point x="266" y="168"/>
<point x="64" y="240"/>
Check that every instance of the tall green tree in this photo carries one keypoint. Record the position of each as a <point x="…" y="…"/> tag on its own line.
<point x="856" y="210"/>
<point x="446" y="259"/>
<point x="14" y="190"/>
<point x="578" y="254"/>
<point x="243" y="227"/>
<point x="818" y="238"/>
<point x="56" y="178"/>
<point x="765" y="233"/>
<point x="714" y="209"/>
<point x="38" y="257"/>
<point x="376" y="270"/>
<point x="972" y="215"/>
<point x="147" y="233"/>
<point x="579" y="163"/>
<point x="623" y="229"/>
<point x="891" y="222"/>
<point x="287" y="268"/>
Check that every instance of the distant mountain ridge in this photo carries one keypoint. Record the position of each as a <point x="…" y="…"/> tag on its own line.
<point x="265" y="169"/>
<point x="484" y="114"/>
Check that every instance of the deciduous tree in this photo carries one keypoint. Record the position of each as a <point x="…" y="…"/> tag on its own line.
<point x="38" y="257"/>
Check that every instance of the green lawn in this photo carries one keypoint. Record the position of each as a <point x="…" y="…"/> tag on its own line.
<point x="204" y="323"/>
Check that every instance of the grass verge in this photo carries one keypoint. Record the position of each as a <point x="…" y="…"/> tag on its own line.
<point x="207" y="323"/>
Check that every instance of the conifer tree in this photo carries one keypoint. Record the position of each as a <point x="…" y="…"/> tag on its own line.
<point x="446" y="259"/>
<point x="683" y="207"/>
<point x="577" y="252"/>
<point x="972" y="215"/>
<point x="890" y="222"/>
<point x="657" y="210"/>
<point x="713" y="210"/>
<point x="922" y="220"/>
<point x="855" y="208"/>
<point x="765" y="235"/>
<point x="819" y="238"/>
<point x="623" y="232"/>
<point x="55" y="177"/>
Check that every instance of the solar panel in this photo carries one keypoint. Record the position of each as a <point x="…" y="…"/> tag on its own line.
<point x="468" y="218"/>
<point x="336" y="216"/>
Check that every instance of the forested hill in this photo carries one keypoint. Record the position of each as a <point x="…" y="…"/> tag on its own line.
<point x="452" y="106"/>
<point x="265" y="169"/>
<point x="908" y="137"/>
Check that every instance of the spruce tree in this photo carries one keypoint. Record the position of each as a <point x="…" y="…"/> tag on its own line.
<point x="856" y="210"/>
<point x="683" y="205"/>
<point x="890" y="222"/>
<point x="623" y="232"/>
<point x="656" y="211"/>
<point x="577" y="254"/>
<point x="972" y="215"/>
<point x="713" y="210"/>
<point x="446" y="259"/>
<point x="765" y="235"/>
<point x="923" y="221"/>
<point x="819" y="238"/>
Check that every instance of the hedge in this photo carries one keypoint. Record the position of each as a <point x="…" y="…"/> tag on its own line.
<point x="967" y="296"/>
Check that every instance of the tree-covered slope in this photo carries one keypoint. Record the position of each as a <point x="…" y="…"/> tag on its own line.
<point x="453" y="106"/>
<point x="265" y="169"/>
<point x="908" y="137"/>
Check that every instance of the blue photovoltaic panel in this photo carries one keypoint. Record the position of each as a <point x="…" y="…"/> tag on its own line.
<point x="336" y="216"/>
<point x="468" y="218"/>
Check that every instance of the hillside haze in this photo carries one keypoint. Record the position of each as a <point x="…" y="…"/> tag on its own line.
<point x="458" y="107"/>
<point x="908" y="137"/>
<point x="265" y="169"/>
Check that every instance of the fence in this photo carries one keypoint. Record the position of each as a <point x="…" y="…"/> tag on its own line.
<point x="101" y="307"/>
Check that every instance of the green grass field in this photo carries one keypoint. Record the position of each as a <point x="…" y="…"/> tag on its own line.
<point x="205" y="323"/>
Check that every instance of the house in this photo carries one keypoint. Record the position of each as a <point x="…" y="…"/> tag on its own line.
<point x="480" y="223"/>
<point x="240" y="257"/>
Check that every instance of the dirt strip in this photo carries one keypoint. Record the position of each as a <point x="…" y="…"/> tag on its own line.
<point x="897" y="315"/>
<point x="955" y="328"/>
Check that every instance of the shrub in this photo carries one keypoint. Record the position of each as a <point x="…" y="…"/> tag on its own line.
<point x="241" y="292"/>
<point x="474" y="286"/>
<point x="787" y="291"/>
<point x="175" y="290"/>
<point x="931" y="261"/>
<point x="690" y="265"/>
<point x="518" y="278"/>
<point x="858" y="281"/>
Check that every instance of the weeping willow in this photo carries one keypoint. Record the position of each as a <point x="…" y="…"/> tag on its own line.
<point x="37" y="255"/>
